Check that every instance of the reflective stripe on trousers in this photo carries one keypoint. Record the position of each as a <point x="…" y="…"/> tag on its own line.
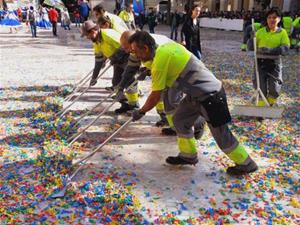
<point x="132" y="94"/>
<point x="160" y="107"/>
<point x="185" y="116"/>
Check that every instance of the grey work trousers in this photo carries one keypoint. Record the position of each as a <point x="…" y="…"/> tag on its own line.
<point x="270" y="77"/>
<point x="188" y="111"/>
<point x="171" y="99"/>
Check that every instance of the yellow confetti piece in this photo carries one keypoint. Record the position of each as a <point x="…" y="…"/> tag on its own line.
<point x="294" y="202"/>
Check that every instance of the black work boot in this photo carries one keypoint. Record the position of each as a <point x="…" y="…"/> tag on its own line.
<point x="163" y="120"/>
<point x="168" y="131"/>
<point x="239" y="170"/>
<point x="179" y="160"/>
<point x="125" y="107"/>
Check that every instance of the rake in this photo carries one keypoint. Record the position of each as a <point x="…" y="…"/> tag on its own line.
<point x="62" y="192"/>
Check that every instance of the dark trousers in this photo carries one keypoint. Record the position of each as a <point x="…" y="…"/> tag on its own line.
<point x="33" y="29"/>
<point x="141" y="25"/>
<point x="174" y="31"/>
<point x="196" y="51"/>
<point x="151" y="29"/>
<point x="77" y="21"/>
<point x="54" y="28"/>
<point x="117" y="76"/>
<point x="270" y="77"/>
<point x="247" y="34"/>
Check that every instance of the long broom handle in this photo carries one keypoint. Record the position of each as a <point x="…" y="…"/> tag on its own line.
<point x="63" y="112"/>
<point x="88" y="112"/>
<point x="82" y="82"/>
<point x="91" y="123"/>
<point x="259" y="91"/>
<point x="98" y="148"/>
<point x="76" y="136"/>
<point x="85" y="114"/>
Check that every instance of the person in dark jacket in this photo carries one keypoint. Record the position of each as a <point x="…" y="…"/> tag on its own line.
<point x="175" y="21"/>
<point x="190" y="32"/>
<point x="151" y="20"/>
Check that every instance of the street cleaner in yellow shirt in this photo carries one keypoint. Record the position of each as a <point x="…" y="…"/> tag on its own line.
<point x="127" y="15"/>
<point x="106" y="46"/>
<point x="170" y="98"/>
<point x="172" y="66"/>
<point x="116" y="22"/>
<point x="272" y="42"/>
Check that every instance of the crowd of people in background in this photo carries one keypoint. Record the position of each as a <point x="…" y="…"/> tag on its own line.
<point x="45" y="17"/>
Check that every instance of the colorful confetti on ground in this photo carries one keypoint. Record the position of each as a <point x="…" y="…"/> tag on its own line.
<point x="35" y="158"/>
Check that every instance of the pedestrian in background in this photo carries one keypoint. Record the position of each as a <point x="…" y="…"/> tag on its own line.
<point x="62" y="18"/>
<point x="152" y="21"/>
<point x="53" y="17"/>
<point x="141" y="20"/>
<point x="175" y="21"/>
<point x="77" y="18"/>
<point x="31" y="19"/>
<point x="67" y="20"/>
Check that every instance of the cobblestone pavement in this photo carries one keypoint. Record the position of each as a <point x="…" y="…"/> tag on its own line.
<point x="32" y="69"/>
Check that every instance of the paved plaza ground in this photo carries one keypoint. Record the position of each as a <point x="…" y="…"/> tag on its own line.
<point x="128" y="181"/>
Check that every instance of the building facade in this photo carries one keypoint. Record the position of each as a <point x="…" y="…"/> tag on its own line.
<point x="207" y="5"/>
<point x="225" y="5"/>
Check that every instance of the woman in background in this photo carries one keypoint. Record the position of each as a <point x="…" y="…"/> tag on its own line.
<point x="43" y="20"/>
<point x="190" y="32"/>
<point x="11" y="20"/>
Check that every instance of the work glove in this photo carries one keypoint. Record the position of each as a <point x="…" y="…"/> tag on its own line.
<point x="144" y="72"/>
<point x="93" y="81"/>
<point x="136" y="115"/>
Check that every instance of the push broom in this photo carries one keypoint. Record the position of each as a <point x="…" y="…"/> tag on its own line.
<point x="257" y="111"/>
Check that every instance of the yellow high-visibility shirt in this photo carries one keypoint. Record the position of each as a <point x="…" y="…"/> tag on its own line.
<point x="268" y="39"/>
<point x="169" y="61"/>
<point x="126" y="16"/>
<point x="117" y="23"/>
<point x="109" y="43"/>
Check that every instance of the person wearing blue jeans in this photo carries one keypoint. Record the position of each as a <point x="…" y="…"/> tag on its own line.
<point x="195" y="50"/>
<point x="77" y="21"/>
<point x="33" y="29"/>
<point x="31" y="19"/>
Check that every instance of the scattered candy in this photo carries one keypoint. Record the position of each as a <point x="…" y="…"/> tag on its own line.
<point x="36" y="161"/>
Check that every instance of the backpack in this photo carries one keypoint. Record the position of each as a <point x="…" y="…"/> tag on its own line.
<point x="31" y="17"/>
